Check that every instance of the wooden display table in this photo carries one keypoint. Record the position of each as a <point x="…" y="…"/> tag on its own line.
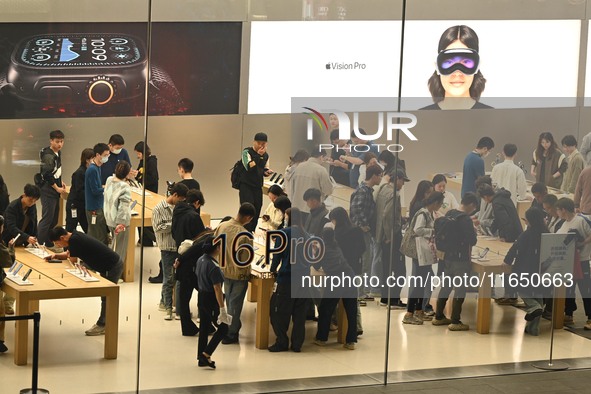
<point x="454" y="185"/>
<point x="495" y="266"/>
<point x="51" y="281"/>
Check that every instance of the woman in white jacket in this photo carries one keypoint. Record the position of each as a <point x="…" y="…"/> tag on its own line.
<point x="273" y="217"/>
<point x="117" y="207"/>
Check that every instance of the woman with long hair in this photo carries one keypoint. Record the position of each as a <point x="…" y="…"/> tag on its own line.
<point x="424" y="189"/>
<point x="457" y="82"/>
<point x="424" y="227"/>
<point x="524" y="256"/>
<point x="549" y="163"/>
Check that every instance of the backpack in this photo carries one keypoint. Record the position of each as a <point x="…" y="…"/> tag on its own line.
<point x="408" y="246"/>
<point x="236" y="174"/>
<point x="448" y="233"/>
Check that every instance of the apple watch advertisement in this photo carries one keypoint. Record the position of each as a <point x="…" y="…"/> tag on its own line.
<point x="101" y="69"/>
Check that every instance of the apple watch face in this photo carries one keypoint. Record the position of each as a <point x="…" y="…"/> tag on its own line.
<point x="80" y="50"/>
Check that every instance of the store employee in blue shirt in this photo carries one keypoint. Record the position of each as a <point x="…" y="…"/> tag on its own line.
<point x="94" y="194"/>
<point x="474" y="164"/>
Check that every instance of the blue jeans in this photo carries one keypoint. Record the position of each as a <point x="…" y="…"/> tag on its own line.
<point x="235" y="291"/>
<point x="168" y="258"/>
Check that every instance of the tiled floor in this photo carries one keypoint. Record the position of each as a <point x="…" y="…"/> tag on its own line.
<point x="70" y="362"/>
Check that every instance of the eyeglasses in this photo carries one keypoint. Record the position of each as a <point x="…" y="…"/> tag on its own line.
<point x="465" y="60"/>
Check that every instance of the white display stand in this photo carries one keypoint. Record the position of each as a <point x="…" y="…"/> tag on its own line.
<point x="18" y="280"/>
<point x="80" y="275"/>
<point x="39" y="252"/>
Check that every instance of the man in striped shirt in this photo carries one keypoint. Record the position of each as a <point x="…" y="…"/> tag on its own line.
<point x="162" y="224"/>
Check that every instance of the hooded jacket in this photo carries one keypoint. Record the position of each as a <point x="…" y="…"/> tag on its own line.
<point x="506" y="220"/>
<point x="186" y="223"/>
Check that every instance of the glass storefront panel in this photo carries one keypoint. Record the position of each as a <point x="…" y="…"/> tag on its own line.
<point x="218" y="72"/>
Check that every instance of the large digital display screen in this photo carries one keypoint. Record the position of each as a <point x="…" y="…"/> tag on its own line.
<point x="516" y="63"/>
<point x="321" y="59"/>
<point x="50" y="70"/>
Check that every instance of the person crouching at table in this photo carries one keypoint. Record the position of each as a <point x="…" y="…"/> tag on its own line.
<point x="96" y="256"/>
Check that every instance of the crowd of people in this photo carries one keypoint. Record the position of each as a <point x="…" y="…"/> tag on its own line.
<point x="365" y="238"/>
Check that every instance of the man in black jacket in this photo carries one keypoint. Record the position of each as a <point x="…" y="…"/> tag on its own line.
<point x="458" y="263"/>
<point x="21" y="217"/>
<point x="318" y="216"/>
<point x="186" y="224"/>
<point x="506" y="220"/>
<point x="52" y="187"/>
<point x="255" y="160"/>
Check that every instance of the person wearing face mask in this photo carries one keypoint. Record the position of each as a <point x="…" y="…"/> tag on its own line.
<point x="94" y="194"/>
<point x="255" y="160"/>
<point x="117" y="153"/>
<point x="474" y="164"/>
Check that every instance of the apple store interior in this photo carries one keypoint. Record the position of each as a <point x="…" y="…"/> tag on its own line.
<point x="198" y="79"/>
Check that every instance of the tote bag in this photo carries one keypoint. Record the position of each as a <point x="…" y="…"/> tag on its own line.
<point x="426" y="253"/>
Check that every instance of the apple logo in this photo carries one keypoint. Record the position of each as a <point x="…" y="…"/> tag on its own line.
<point x="328" y="66"/>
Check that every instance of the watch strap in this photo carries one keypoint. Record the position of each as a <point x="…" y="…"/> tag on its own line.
<point x="164" y="97"/>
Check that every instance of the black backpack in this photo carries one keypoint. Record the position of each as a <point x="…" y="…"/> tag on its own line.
<point x="236" y="174"/>
<point x="448" y="233"/>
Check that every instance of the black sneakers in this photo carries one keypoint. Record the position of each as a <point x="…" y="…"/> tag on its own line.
<point x="155" y="279"/>
<point x="3" y="348"/>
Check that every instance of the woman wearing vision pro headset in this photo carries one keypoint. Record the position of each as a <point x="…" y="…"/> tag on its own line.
<point x="457" y="82"/>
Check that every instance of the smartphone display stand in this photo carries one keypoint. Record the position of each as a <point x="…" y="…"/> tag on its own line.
<point x="39" y="252"/>
<point x="78" y="273"/>
<point x="18" y="279"/>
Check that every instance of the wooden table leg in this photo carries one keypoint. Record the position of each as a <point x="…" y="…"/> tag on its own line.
<point x="342" y="323"/>
<point x="129" y="263"/>
<point x="483" y="311"/>
<point x="264" y="290"/>
<point x="21" y="333"/>
<point x="558" y="309"/>
<point x="60" y="218"/>
<point x="112" y="323"/>
<point x="251" y="293"/>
